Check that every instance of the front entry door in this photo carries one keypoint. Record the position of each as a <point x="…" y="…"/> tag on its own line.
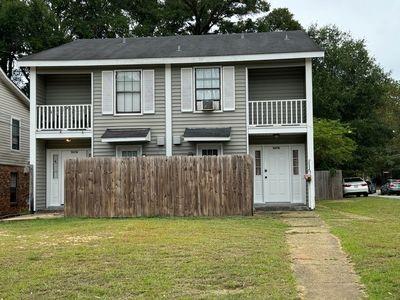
<point x="279" y="173"/>
<point x="55" y="173"/>
<point x="276" y="174"/>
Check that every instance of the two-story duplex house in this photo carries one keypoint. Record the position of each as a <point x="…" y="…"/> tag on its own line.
<point x="178" y="95"/>
<point x="14" y="148"/>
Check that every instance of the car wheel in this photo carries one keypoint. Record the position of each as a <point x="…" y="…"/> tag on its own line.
<point x="366" y="195"/>
<point x="358" y="195"/>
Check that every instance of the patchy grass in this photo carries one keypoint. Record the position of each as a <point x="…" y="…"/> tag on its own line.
<point x="158" y="257"/>
<point x="369" y="230"/>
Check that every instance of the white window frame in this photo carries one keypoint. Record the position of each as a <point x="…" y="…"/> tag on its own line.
<point x="120" y="148"/>
<point x="115" y="92"/>
<point x="220" y="92"/>
<point x="11" y="134"/>
<point x="206" y="146"/>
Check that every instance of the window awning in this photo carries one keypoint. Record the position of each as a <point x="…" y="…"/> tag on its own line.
<point x="122" y="135"/>
<point x="221" y="134"/>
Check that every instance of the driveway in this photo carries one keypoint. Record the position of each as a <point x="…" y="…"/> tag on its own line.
<point x="378" y="194"/>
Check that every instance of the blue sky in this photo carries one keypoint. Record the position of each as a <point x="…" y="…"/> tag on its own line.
<point x="378" y="22"/>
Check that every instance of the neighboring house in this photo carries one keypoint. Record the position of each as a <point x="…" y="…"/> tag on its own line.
<point x="180" y="95"/>
<point x="14" y="148"/>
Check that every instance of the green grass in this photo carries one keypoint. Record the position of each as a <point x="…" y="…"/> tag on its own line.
<point x="369" y="230"/>
<point x="158" y="257"/>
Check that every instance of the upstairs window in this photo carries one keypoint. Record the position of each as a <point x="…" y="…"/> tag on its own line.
<point x="208" y="87"/>
<point x="15" y="134"/>
<point x="128" y="91"/>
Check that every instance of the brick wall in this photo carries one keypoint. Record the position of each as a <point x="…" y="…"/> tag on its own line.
<point x="7" y="208"/>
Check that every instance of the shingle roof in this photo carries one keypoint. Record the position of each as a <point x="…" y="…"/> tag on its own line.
<point x="180" y="46"/>
<point x="218" y="132"/>
<point x="125" y="133"/>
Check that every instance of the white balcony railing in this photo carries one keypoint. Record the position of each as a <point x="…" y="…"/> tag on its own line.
<point x="64" y="117"/>
<point x="277" y="112"/>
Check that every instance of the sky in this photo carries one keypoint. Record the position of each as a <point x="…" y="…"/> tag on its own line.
<point x="378" y="22"/>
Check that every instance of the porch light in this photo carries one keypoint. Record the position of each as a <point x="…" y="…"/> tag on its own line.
<point x="276" y="136"/>
<point x="68" y="140"/>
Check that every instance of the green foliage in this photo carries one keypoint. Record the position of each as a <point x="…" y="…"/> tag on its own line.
<point x="333" y="146"/>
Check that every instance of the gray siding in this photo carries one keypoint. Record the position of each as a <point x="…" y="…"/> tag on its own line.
<point x="68" y="89"/>
<point x="277" y="83"/>
<point x="11" y="106"/>
<point x="156" y="121"/>
<point x="235" y="119"/>
<point x="40" y="174"/>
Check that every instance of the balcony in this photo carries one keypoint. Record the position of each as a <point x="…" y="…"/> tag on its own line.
<point x="64" y="120"/>
<point x="277" y="115"/>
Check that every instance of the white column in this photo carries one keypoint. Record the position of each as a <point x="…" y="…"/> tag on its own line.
<point x="168" y="111"/>
<point x="310" y="134"/>
<point x="32" y="153"/>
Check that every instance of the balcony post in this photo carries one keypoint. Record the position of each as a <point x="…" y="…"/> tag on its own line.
<point x="32" y="152"/>
<point x="310" y="134"/>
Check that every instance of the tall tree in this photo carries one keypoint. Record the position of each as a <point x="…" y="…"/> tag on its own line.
<point x="350" y="86"/>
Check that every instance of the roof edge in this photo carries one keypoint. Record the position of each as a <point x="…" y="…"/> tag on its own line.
<point x="20" y="95"/>
<point x="170" y="60"/>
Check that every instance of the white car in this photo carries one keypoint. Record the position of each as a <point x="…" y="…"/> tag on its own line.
<point x="355" y="186"/>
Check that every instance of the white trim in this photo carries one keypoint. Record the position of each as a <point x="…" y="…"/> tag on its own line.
<point x="32" y="126"/>
<point x="205" y="146"/>
<point x="310" y="134"/>
<point x="19" y="136"/>
<point x="168" y="60"/>
<point x="287" y="64"/>
<point x="120" y="148"/>
<point x="154" y="92"/>
<point x="247" y="109"/>
<point x="191" y="84"/>
<point x="146" y="138"/>
<point x="118" y="114"/>
<point x="92" y="114"/>
<point x="223" y="87"/>
<point x="168" y="110"/>
<point x="206" y="139"/>
<point x="108" y="112"/>
<point x="276" y="129"/>
<point x="64" y="134"/>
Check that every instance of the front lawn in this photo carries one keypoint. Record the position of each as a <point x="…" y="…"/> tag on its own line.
<point x="369" y="230"/>
<point x="123" y="258"/>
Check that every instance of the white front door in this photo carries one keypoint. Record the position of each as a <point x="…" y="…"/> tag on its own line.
<point x="279" y="173"/>
<point x="276" y="174"/>
<point x="55" y="173"/>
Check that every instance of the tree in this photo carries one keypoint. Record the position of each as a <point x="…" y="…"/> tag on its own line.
<point x="205" y="16"/>
<point x="351" y="87"/>
<point x="279" y="19"/>
<point x="333" y="146"/>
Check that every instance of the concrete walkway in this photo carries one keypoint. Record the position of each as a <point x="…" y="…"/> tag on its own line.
<point x="35" y="216"/>
<point x="321" y="267"/>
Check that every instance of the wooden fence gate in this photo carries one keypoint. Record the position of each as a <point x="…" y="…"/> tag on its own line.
<point x="328" y="185"/>
<point x="159" y="186"/>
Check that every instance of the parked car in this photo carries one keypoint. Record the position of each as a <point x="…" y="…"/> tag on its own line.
<point x="371" y="187"/>
<point x="355" y="186"/>
<point x="392" y="186"/>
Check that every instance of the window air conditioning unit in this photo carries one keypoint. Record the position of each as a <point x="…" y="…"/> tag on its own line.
<point x="208" y="105"/>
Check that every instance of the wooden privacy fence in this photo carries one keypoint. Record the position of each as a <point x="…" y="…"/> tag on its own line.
<point x="159" y="186"/>
<point x="328" y="185"/>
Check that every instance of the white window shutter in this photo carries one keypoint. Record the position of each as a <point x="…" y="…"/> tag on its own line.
<point x="107" y="92"/>
<point x="228" y="88"/>
<point x="148" y="92"/>
<point x="186" y="89"/>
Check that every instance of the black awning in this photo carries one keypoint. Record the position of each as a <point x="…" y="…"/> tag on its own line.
<point x="126" y="135"/>
<point x="207" y="134"/>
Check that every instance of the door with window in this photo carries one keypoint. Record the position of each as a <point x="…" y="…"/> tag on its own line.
<point x="278" y="173"/>
<point x="55" y="173"/>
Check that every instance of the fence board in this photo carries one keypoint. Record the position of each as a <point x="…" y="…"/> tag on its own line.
<point x="328" y="185"/>
<point x="159" y="186"/>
